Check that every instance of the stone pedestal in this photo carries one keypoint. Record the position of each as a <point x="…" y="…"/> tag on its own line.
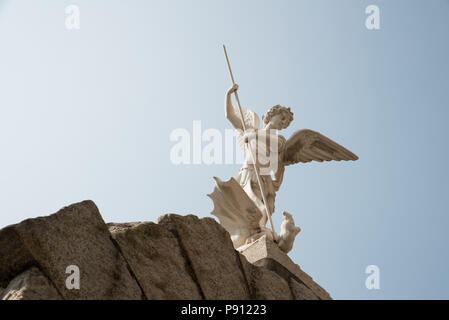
<point x="265" y="253"/>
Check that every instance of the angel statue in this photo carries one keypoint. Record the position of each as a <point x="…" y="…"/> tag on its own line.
<point x="238" y="202"/>
<point x="245" y="203"/>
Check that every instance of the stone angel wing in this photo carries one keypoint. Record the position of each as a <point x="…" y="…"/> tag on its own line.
<point x="237" y="213"/>
<point x="306" y="145"/>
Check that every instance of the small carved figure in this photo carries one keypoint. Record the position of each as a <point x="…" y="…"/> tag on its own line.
<point x="288" y="232"/>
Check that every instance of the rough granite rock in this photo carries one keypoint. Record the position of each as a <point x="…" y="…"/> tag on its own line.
<point x="300" y="291"/>
<point x="154" y="255"/>
<point x="265" y="284"/>
<point x="14" y="258"/>
<point x="179" y="257"/>
<point x="30" y="285"/>
<point x="75" y="235"/>
<point x="211" y="253"/>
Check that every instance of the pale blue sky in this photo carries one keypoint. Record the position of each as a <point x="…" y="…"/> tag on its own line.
<point x="87" y="114"/>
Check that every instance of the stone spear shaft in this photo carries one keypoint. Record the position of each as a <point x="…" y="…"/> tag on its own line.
<point x="259" y="181"/>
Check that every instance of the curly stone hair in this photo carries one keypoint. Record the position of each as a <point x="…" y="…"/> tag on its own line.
<point x="278" y="109"/>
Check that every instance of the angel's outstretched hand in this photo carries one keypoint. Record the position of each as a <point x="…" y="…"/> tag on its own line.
<point x="233" y="89"/>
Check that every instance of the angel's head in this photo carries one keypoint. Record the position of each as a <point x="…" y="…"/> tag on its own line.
<point x="278" y="117"/>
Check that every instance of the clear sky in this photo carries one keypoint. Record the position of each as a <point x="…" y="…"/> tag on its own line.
<point x="87" y="114"/>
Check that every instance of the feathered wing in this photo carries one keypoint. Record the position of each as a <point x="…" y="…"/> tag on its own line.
<point x="237" y="213"/>
<point x="306" y="145"/>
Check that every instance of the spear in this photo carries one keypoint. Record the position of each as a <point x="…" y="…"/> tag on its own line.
<point x="259" y="181"/>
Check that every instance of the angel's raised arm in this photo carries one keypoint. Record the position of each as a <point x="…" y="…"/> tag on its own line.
<point x="231" y="112"/>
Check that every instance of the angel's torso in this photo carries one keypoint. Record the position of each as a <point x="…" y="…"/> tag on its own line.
<point x="267" y="148"/>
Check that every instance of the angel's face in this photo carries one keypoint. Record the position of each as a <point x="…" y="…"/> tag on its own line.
<point x="278" y="121"/>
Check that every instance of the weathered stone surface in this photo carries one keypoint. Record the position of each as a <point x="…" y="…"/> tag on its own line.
<point x="180" y="257"/>
<point x="75" y="235"/>
<point x="263" y="251"/>
<point x="154" y="255"/>
<point x="30" y="285"/>
<point x="14" y="258"/>
<point x="265" y="284"/>
<point x="211" y="253"/>
<point x="300" y="291"/>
